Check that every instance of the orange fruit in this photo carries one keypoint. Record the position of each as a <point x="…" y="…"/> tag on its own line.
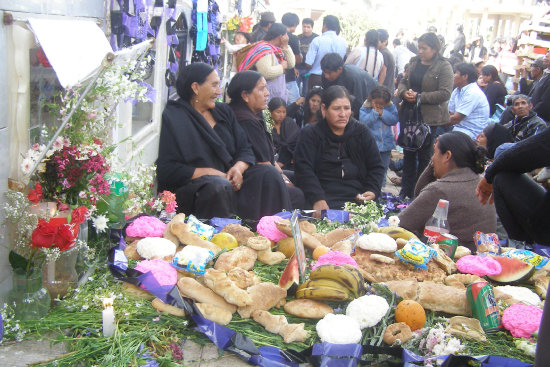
<point x="319" y="251"/>
<point x="224" y="240"/>
<point x="286" y="246"/>
<point x="411" y="313"/>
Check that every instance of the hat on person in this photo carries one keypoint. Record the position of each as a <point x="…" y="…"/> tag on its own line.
<point x="267" y="17"/>
<point x="539" y="63"/>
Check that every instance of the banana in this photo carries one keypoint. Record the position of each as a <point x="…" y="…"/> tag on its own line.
<point x="347" y="275"/>
<point x="325" y="294"/>
<point x="397" y="232"/>
<point x="322" y="282"/>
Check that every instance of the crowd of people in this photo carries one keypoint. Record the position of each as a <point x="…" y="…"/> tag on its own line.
<point x="335" y="115"/>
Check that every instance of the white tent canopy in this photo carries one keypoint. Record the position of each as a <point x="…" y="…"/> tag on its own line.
<point x="75" y="48"/>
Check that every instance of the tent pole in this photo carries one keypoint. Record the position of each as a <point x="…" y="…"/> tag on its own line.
<point x="107" y="61"/>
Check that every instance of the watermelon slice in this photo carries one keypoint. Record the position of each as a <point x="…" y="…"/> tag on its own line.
<point x="513" y="270"/>
<point x="290" y="278"/>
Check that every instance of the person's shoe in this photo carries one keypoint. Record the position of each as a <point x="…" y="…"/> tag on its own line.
<point x="397" y="181"/>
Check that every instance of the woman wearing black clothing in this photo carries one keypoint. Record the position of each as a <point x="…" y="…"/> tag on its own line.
<point x="248" y="93"/>
<point x="284" y="133"/>
<point x="337" y="159"/>
<point x="307" y="111"/>
<point x="495" y="90"/>
<point x="430" y="78"/>
<point x="206" y="159"/>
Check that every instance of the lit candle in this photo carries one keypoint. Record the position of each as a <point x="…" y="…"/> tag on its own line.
<point x="108" y="317"/>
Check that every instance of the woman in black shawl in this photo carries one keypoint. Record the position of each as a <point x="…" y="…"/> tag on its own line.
<point x="206" y="159"/>
<point x="284" y="133"/>
<point x="337" y="159"/>
<point x="248" y="93"/>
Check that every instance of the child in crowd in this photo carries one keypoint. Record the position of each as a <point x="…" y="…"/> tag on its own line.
<point x="284" y="132"/>
<point x="379" y="114"/>
<point x="240" y="40"/>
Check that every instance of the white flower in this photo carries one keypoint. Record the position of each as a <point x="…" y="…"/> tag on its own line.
<point x="26" y="166"/>
<point x="58" y="143"/>
<point x="100" y="223"/>
<point x="393" y="221"/>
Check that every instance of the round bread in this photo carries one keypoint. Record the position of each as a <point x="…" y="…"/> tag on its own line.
<point x="259" y="243"/>
<point x="398" y="331"/>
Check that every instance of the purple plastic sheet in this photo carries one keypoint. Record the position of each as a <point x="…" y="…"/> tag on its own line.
<point x="286" y="215"/>
<point x="219" y="223"/>
<point x="541" y="250"/>
<point x="337" y="350"/>
<point x="333" y="215"/>
<point x="151" y="284"/>
<point x="218" y="334"/>
<point x="271" y="357"/>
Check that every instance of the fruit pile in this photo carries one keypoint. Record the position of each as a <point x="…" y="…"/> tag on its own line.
<point x="337" y="283"/>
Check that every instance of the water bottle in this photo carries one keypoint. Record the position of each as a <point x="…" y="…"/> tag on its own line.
<point x="437" y="224"/>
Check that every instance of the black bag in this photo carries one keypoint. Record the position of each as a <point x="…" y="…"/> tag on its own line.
<point x="413" y="132"/>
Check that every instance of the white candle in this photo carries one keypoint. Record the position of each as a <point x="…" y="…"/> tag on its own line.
<point x="108" y="317"/>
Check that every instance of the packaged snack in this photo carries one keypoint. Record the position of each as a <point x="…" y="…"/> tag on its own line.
<point x="527" y="256"/>
<point x="193" y="259"/>
<point x="487" y="243"/>
<point x="416" y="253"/>
<point x="198" y="227"/>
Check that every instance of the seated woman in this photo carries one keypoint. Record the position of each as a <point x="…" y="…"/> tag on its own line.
<point x="493" y="136"/>
<point x="453" y="175"/>
<point x="248" y="93"/>
<point x="284" y="132"/>
<point x="206" y="159"/>
<point x="307" y="111"/>
<point x="337" y="160"/>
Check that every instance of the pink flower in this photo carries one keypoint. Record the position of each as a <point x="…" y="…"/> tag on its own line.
<point x="92" y="115"/>
<point x="171" y="207"/>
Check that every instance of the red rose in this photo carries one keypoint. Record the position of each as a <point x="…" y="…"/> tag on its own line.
<point x="65" y="238"/>
<point x="78" y="216"/>
<point x="44" y="234"/>
<point x="36" y="194"/>
<point x="62" y="207"/>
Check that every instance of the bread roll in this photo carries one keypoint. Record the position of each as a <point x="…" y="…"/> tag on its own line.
<point x="163" y="307"/>
<point x="189" y="287"/>
<point x="241" y="257"/>
<point x="214" y="313"/>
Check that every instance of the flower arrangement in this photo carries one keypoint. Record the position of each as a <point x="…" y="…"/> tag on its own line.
<point x="74" y="172"/>
<point x="42" y="232"/>
<point x="140" y="185"/>
<point x="239" y="24"/>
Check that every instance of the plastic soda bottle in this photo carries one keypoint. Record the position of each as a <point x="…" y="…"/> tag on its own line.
<point x="437" y="224"/>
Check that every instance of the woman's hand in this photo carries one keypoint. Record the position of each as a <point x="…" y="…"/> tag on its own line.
<point x="284" y="64"/>
<point x="286" y="180"/>
<point x="484" y="192"/>
<point x="318" y="206"/>
<point x="366" y="196"/>
<point x="235" y="175"/>
<point x="410" y="96"/>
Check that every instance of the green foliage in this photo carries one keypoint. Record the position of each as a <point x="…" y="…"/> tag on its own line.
<point x="355" y="24"/>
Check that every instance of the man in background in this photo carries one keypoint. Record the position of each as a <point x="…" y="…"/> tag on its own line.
<point x="389" y="62"/>
<point x="468" y="106"/>
<point x="357" y="81"/>
<point x="291" y="21"/>
<point x="266" y="20"/>
<point x="305" y="40"/>
<point x="326" y="43"/>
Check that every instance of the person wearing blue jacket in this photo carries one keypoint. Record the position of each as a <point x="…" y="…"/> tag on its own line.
<point x="379" y="114"/>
